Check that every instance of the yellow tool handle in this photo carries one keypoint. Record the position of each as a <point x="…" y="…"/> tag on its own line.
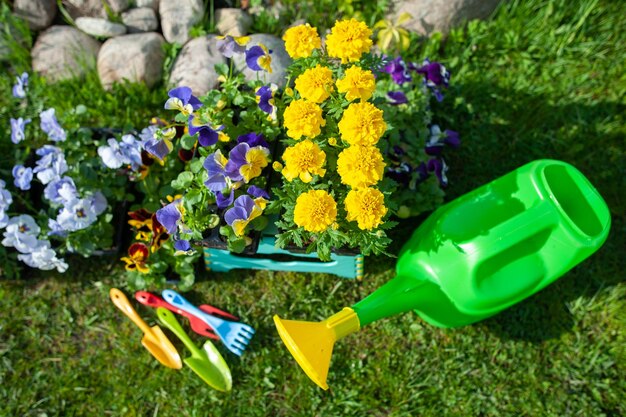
<point x="121" y="302"/>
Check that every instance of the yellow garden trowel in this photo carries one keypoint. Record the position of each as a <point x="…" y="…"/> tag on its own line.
<point x="154" y="339"/>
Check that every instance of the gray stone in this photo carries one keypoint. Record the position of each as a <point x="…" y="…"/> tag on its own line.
<point x="136" y="58"/>
<point x="118" y="6"/>
<point x="63" y="52"/>
<point x="94" y="8"/>
<point x="38" y="13"/>
<point x="142" y="19"/>
<point x="153" y="4"/>
<point x="178" y="17"/>
<point x="441" y="15"/>
<point x="194" y="66"/>
<point x="280" y="60"/>
<point x="95" y="26"/>
<point x="233" y="22"/>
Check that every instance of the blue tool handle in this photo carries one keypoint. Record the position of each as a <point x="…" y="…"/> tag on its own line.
<point x="179" y="301"/>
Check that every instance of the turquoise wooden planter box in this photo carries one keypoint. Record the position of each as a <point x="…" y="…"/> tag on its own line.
<point x="269" y="257"/>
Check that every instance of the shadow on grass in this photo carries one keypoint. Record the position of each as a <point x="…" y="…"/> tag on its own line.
<point x="512" y="128"/>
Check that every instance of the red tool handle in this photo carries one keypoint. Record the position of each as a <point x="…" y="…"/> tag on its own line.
<point x="155" y="301"/>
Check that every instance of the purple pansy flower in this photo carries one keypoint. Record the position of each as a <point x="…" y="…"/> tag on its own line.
<point x="43" y="257"/>
<point x="258" y="192"/>
<point x="148" y="133"/>
<point x="160" y="145"/>
<point x="437" y="140"/>
<point x="77" y="214"/>
<point x="182" y="100"/>
<point x="435" y="76"/>
<point x="21" y="233"/>
<point x="224" y="201"/>
<point x="215" y="165"/>
<point x="265" y="99"/>
<point x="51" y="165"/>
<point x="229" y="45"/>
<point x="398" y="71"/>
<point x="258" y="58"/>
<point x="396" y="97"/>
<point x="208" y="135"/>
<point x="170" y="215"/>
<point x="17" y="129"/>
<point x="19" y="89"/>
<point x="5" y="201"/>
<point x="51" y="126"/>
<point x="22" y="177"/>
<point x="244" y="211"/>
<point x="400" y="173"/>
<point x="245" y="162"/>
<point x="439" y="167"/>
<point x="252" y="139"/>
<point x="182" y="245"/>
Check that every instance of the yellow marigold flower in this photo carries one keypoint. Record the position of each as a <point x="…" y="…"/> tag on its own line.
<point x="303" y="118"/>
<point x="277" y="166"/>
<point x="357" y="83"/>
<point x="301" y="40"/>
<point x="360" y="166"/>
<point x="315" y="84"/>
<point x="362" y="124"/>
<point x="332" y="141"/>
<point x="366" y="206"/>
<point x="303" y="160"/>
<point x="348" y="40"/>
<point x="315" y="210"/>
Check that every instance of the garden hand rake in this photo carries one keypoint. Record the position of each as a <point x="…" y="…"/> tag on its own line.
<point x="235" y="336"/>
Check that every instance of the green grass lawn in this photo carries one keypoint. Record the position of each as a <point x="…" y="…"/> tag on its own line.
<point x="542" y="79"/>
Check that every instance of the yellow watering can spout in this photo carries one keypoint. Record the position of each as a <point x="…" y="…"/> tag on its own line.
<point x="311" y="344"/>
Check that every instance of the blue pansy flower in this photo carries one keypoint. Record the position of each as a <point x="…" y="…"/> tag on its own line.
<point x="208" y="135"/>
<point x="125" y="152"/>
<point x="258" y="192"/>
<point x="19" y="89"/>
<point x="56" y="229"/>
<point x="182" y="100"/>
<point x="231" y="45"/>
<point x="396" y="98"/>
<point x="61" y="191"/>
<point x="182" y="245"/>
<point x="21" y="233"/>
<point x="258" y="58"/>
<point x="77" y="214"/>
<point x="398" y="70"/>
<point x="439" y="167"/>
<point x="51" y="126"/>
<point x="43" y="257"/>
<point x="5" y="201"/>
<point x="51" y="164"/>
<point x="223" y="201"/>
<point x="17" y="129"/>
<point x="22" y="177"/>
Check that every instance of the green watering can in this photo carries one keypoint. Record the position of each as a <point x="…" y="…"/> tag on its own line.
<point x="473" y="257"/>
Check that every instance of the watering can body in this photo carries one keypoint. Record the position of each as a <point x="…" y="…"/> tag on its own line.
<point x="494" y="246"/>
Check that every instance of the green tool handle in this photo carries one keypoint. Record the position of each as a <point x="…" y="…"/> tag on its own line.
<point x="399" y="295"/>
<point x="169" y="321"/>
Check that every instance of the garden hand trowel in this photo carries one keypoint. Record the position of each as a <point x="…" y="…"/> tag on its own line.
<point x="208" y="363"/>
<point x="154" y="340"/>
<point x="473" y="257"/>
